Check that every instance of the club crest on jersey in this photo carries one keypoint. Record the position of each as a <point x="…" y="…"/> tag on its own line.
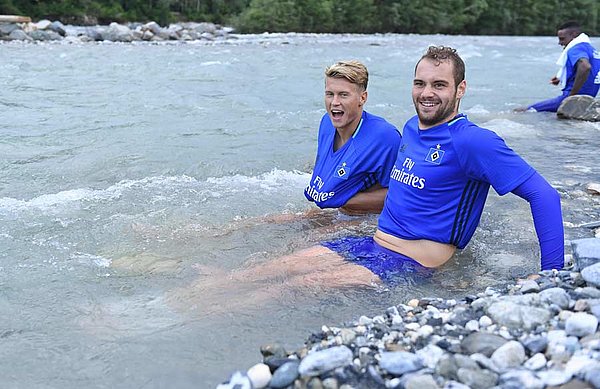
<point x="342" y="171"/>
<point x="435" y="155"/>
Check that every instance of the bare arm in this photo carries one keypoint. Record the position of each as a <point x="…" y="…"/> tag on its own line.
<point x="583" y="71"/>
<point x="368" y="201"/>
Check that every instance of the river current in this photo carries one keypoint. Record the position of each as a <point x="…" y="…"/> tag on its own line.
<point x="131" y="174"/>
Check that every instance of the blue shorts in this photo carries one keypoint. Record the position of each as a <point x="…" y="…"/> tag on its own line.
<point x="387" y="264"/>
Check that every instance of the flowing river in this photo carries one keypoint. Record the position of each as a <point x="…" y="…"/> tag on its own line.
<point x="132" y="174"/>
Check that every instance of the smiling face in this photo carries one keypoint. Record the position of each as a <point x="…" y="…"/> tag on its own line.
<point x="435" y="95"/>
<point x="344" y="103"/>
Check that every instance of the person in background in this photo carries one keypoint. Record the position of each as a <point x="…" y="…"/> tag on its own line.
<point x="579" y="72"/>
<point x="356" y="150"/>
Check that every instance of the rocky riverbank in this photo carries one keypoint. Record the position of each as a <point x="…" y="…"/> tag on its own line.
<point x="46" y="30"/>
<point x="538" y="333"/>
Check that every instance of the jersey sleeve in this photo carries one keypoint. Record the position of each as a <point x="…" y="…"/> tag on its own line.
<point x="544" y="201"/>
<point x="576" y="53"/>
<point x="486" y="157"/>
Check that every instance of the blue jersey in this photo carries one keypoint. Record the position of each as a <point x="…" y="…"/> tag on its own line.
<point x="366" y="159"/>
<point x="441" y="179"/>
<point x="575" y="53"/>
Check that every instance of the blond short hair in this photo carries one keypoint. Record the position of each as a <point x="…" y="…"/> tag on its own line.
<point x="353" y="71"/>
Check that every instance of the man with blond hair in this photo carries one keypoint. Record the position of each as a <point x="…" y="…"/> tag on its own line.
<point x="356" y="150"/>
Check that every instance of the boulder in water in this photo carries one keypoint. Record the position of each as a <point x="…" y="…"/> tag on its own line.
<point x="580" y="107"/>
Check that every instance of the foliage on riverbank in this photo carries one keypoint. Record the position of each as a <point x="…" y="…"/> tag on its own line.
<point x="485" y="17"/>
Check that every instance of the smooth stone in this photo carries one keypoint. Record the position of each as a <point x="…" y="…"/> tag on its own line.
<point x="521" y="379"/>
<point x="581" y="363"/>
<point x="472" y="325"/>
<point x="45" y="35"/>
<point x="510" y="354"/>
<point x="581" y="324"/>
<point x="513" y="315"/>
<point x="259" y="375"/>
<point x="330" y="383"/>
<point x="466" y="362"/>
<point x="554" y="377"/>
<point x="579" y="107"/>
<point x="430" y="355"/>
<point x="481" y="342"/>
<point x="485" y="321"/>
<point x="485" y="362"/>
<point x="400" y="362"/>
<point x="58" y="28"/>
<point x="19" y="35"/>
<point x="536" y="344"/>
<point x="529" y="286"/>
<point x="588" y="292"/>
<point x="591" y="274"/>
<point x="455" y="385"/>
<point x="586" y="252"/>
<point x="275" y="350"/>
<point x="43" y="24"/>
<point x="322" y="361"/>
<point x="556" y="296"/>
<point x="6" y="29"/>
<point x="477" y="378"/>
<point x="285" y="375"/>
<point x="420" y="381"/>
<point x="447" y="367"/>
<point x="536" y="362"/>
<point x="593" y="377"/>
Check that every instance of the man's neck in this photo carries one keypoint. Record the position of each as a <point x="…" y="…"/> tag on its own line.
<point x="343" y="135"/>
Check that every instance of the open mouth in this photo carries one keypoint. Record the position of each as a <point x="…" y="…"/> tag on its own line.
<point x="336" y="113"/>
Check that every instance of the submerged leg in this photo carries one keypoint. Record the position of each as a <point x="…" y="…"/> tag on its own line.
<point x="317" y="266"/>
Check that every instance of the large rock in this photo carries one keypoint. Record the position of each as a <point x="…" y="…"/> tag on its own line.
<point x="117" y="33"/>
<point x="580" y="107"/>
<point x="512" y="315"/>
<point x="586" y="252"/>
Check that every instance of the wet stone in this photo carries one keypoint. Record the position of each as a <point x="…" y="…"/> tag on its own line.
<point x="477" y="378"/>
<point x="275" y="350"/>
<point x="420" y="381"/>
<point x="400" y="362"/>
<point x="322" y="361"/>
<point x="581" y="324"/>
<point x="556" y="296"/>
<point x="481" y="342"/>
<point x="591" y="274"/>
<point x="530" y="286"/>
<point x="520" y="379"/>
<point x="275" y="363"/>
<point x="285" y="375"/>
<point x="517" y="316"/>
<point x="586" y="252"/>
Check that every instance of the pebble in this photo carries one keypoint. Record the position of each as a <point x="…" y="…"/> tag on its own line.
<point x="259" y="375"/>
<point x="534" y="335"/>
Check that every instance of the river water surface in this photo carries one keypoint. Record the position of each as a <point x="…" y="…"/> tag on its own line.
<point x="132" y="173"/>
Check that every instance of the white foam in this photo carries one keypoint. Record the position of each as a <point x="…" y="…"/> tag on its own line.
<point x="271" y="180"/>
<point x="477" y="110"/>
<point x="212" y="63"/>
<point x="510" y="129"/>
<point x="160" y="188"/>
<point x="47" y="202"/>
<point x="90" y="259"/>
